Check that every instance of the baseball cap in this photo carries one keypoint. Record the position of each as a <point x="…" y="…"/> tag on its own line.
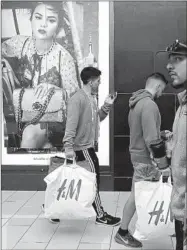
<point x="179" y="48"/>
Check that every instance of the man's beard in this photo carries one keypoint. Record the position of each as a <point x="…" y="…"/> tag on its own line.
<point x="177" y="86"/>
<point x="94" y="91"/>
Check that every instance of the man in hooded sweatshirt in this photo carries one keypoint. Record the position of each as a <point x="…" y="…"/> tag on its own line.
<point x="177" y="63"/>
<point x="144" y="122"/>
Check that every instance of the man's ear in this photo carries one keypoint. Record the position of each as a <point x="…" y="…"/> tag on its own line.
<point x="158" y="86"/>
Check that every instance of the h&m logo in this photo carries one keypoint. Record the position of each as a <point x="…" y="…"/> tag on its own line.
<point x="159" y="215"/>
<point x="69" y="191"/>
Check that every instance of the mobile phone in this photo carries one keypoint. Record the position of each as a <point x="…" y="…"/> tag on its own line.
<point x="113" y="95"/>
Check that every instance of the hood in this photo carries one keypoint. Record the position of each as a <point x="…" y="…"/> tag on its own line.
<point x="137" y="96"/>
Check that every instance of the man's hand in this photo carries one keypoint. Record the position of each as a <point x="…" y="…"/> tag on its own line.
<point x="70" y="154"/>
<point x="162" y="163"/>
<point x="166" y="172"/>
<point x="166" y="135"/>
<point x="111" y="98"/>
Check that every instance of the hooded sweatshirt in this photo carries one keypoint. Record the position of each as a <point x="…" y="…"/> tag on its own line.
<point x="144" y="122"/>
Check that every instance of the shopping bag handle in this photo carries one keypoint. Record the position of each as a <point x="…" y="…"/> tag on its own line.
<point x="168" y="179"/>
<point x="70" y="162"/>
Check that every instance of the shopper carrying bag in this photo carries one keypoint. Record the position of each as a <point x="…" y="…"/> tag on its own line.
<point x="153" y="209"/>
<point x="70" y="192"/>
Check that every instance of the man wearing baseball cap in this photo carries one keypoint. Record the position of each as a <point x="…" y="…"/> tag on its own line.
<point x="176" y="66"/>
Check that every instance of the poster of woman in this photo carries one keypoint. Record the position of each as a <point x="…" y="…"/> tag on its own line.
<point x="44" y="47"/>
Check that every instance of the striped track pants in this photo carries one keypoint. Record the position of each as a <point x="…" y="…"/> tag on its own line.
<point x="90" y="156"/>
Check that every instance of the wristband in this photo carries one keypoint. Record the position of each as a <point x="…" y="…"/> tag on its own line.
<point x="162" y="162"/>
<point x="158" y="148"/>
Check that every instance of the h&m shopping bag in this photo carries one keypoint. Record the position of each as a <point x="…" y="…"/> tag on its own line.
<point x="152" y="201"/>
<point x="70" y="192"/>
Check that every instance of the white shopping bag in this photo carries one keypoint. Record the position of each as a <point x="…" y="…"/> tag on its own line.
<point x="152" y="201"/>
<point x="70" y="192"/>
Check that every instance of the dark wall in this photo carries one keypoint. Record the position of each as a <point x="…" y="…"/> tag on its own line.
<point x="141" y="29"/>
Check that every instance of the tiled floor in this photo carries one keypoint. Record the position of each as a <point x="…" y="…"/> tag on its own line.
<point x="24" y="225"/>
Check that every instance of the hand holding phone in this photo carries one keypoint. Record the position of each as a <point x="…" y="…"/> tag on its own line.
<point x="114" y="95"/>
<point x="111" y="98"/>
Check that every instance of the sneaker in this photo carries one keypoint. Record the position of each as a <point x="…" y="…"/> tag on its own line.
<point x="128" y="240"/>
<point x="108" y="220"/>
<point x="54" y="221"/>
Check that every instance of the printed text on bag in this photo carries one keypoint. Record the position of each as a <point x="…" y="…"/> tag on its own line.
<point x="159" y="214"/>
<point x="69" y="191"/>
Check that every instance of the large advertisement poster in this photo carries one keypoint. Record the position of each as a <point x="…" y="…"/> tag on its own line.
<point x="45" y="45"/>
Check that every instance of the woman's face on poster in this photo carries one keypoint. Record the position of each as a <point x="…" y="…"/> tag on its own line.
<point x="44" y="22"/>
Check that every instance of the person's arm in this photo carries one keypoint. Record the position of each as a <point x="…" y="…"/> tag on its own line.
<point x="13" y="46"/>
<point x="150" y="123"/>
<point x="105" y="109"/>
<point x="68" y="74"/>
<point x="180" y="139"/>
<point x="73" y="113"/>
<point x="167" y="137"/>
<point x="183" y="143"/>
<point x="151" y="134"/>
